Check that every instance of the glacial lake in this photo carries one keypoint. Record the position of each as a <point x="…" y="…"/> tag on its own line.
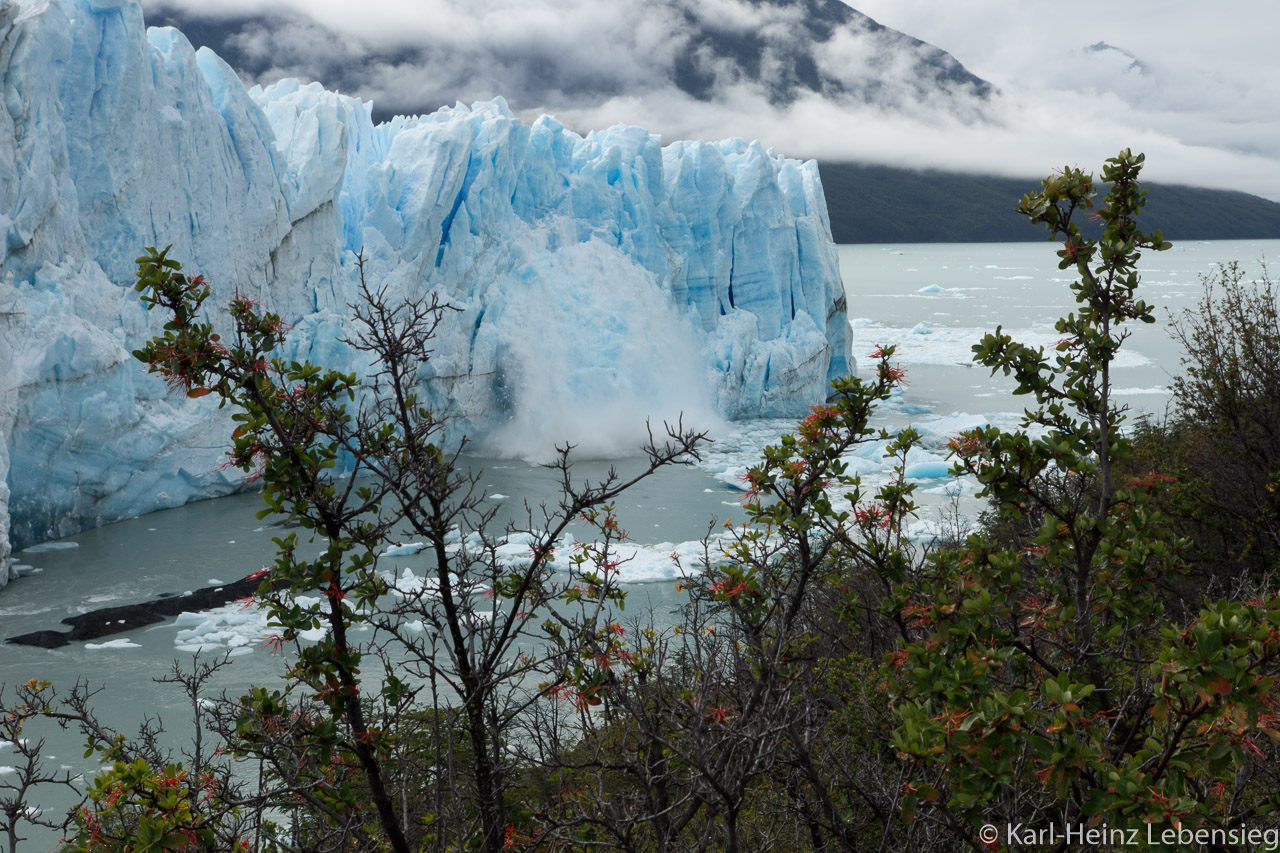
<point x="933" y="300"/>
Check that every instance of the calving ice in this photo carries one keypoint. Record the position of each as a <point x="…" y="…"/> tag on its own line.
<point x="598" y="279"/>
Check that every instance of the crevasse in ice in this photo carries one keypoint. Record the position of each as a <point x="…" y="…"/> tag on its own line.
<point x="599" y="280"/>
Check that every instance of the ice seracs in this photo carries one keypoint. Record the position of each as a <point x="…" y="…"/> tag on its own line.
<point x="599" y="279"/>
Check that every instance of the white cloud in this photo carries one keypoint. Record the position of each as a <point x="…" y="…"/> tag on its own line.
<point x="1205" y="108"/>
<point x="1211" y="81"/>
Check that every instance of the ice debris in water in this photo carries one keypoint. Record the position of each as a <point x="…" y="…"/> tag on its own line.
<point x="113" y="644"/>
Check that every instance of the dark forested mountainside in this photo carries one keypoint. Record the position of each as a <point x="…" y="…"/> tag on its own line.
<point x="882" y="204"/>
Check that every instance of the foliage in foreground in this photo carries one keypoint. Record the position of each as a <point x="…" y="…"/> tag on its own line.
<point x="1045" y="685"/>
<point x="828" y="685"/>
<point x="459" y="633"/>
<point x="1222" y="439"/>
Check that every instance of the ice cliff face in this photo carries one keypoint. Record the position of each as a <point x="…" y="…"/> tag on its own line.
<point x="598" y="279"/>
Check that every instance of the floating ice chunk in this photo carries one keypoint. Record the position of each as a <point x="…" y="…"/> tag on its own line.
<point x="863" y="466"/>
<point x="928" y="470"/>
<point x="663" y="561"/>
<point x="932" y="288"/>
<point x="950" y="345"/>
<point x="497" y="497"/>
<point x="232" y="627"/>
<point x="404" y="549"/>
<point x="514" y="553"/>
<point x="957" y="487"/>
<point x="921" y="329"/>
<point x="735" y="476"/>
<point x="873" y="450"/>
<point x="926" y="531"/>
<point x="409" y="585"/>
<point x="49" y="546"/>
<point x="943" y="428"/>
<point x="113" y="644"/>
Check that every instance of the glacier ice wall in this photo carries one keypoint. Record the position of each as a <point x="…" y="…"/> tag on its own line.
<point x="599" y="279"/>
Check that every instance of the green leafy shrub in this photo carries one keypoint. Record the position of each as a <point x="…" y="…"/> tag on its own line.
<point x="1044" y="685"/>
<point x="1222" y="438"/>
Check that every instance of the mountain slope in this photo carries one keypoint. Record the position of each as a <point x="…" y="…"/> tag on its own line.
<point x="590" y="52"/>
<point x="880" y="204"/>
<point x="893" y="70"/>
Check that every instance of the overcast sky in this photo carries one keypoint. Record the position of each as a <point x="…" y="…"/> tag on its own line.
<point x="1194" y="85"/>
<point x="1205" y="105"/>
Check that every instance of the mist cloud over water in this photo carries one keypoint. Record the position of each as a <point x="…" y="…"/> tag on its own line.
<point x="594" y="350"/>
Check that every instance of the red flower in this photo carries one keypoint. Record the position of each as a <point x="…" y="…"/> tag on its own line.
<point x="719" y="715"/>
<point x="872" y="515"/>
<point x="721" y="587"/>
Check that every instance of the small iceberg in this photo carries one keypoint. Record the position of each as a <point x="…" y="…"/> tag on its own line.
<point x="928" y="470"/>
<point x="113" y="644"/>
<point x="404" y="549"/>
<point x="50" y="546"/>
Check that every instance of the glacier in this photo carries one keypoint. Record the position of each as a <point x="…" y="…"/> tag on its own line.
<point x="599" y="279"/>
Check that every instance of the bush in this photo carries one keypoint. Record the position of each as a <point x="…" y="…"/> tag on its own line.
<point x="1222" y="439"/>
<point x="297" y="423"/>
<point x="1044" y="685"/>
